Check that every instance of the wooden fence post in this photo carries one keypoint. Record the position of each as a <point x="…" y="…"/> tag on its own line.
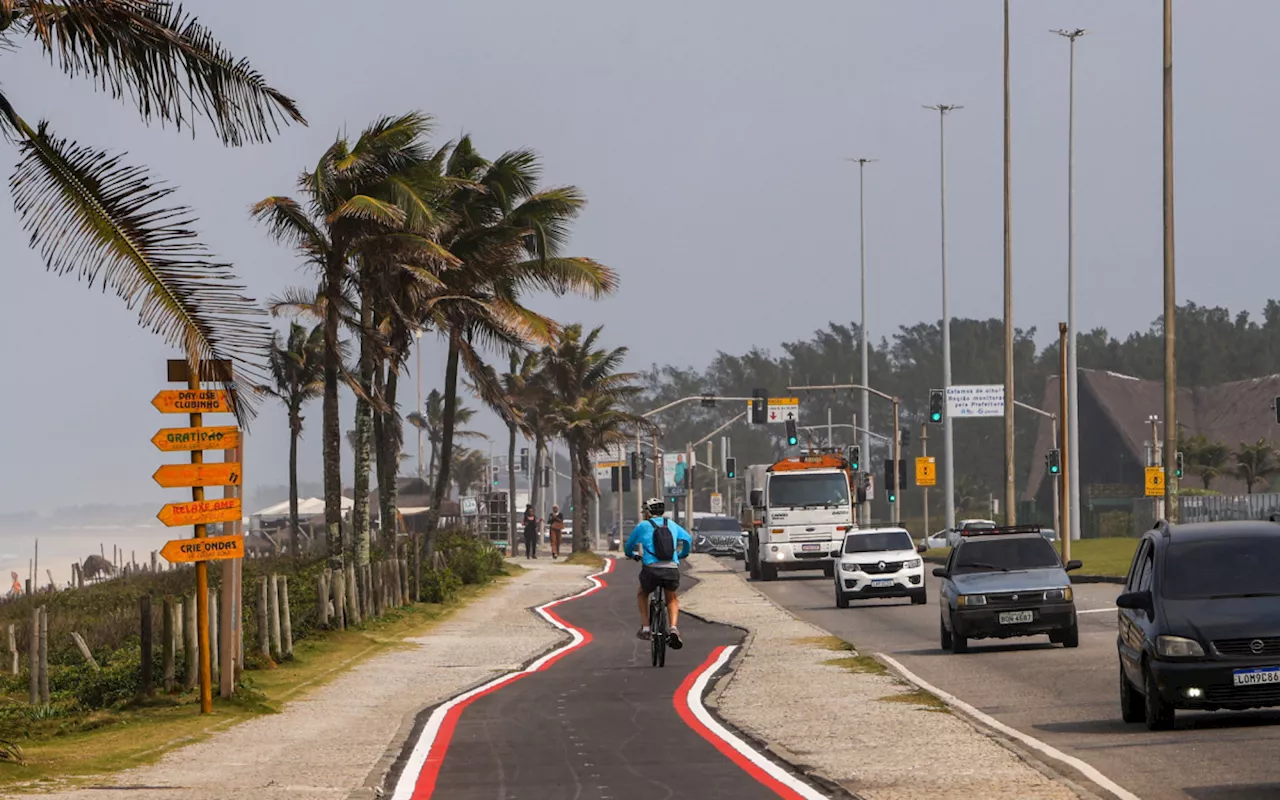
<point x="213" y="637"/>
<point x="83" y="647"/>
<point x="339" y="600"/>
<point x="169" y="634"/>
<point x="13" y="650"/>
<point x="376" y="574"/>
<point x="273" y="603"/>
<point x="322" y="598"/>
<point x="404" y="583"/>
<point x="33" y="683"/>
<point x="148" y="655"/>
<point x="264" y="624"/>
<point x="191" y="643"/>
<point x="353" y="595"/>
<point x="286" y="620"/>
<point x="367" y="577"/>
<point x="179" y="624"/>
<point x="44" y="655"/>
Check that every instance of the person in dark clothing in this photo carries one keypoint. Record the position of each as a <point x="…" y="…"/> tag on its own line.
<point x="530" y="523"/>
<point x="556" y="521"/>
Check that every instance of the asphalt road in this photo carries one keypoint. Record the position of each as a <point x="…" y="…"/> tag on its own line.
<point x="1065" y="698"/>
<point x="600" y="723"/>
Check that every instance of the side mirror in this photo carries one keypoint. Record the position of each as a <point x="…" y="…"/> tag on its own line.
<point x="922" y="548"/>
<point x="1074" y="564"/>
<point x="757" y="498"/>
<point x="1136" y="601"/>
<point x="940" y="572"/>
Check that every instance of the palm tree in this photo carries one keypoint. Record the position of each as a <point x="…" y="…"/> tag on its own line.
<point x="93" y="215"/>
<point x="470" y="470"/>
<point x="431" y="421"/>
<point x="1254" y="463"/>
<point x="360" y="200"/>
<point x="515" y="404"/>
<point x="1208" y="458"/>
<point x="588" y="395"/>
<point x="507" y="236"/>
<point x="297" y="372"/>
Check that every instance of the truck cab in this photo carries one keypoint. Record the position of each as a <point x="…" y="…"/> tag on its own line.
<point x="800" y="509"/>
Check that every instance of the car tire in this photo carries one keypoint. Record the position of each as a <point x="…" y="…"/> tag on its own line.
<point x="829" y="569"/>
<point x="842" y="599"/>
<point x="1133" y="708"/>
<point x="920" y="598"/>
<point x="768" y="572"/>
<point x="959" y="644"/>
<point x="1070" y="637"/>
<point x="945" y="635"/>
<point x="1159" y="713"/>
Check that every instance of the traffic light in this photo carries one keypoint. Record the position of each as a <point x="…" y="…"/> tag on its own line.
<point x="1177" y="469"/>
<point x="906" y="438"/>
<point x="635" y="463"/>
<point x="708" y="400"/>
<point x="792" y="437"/>
<point x="937" y="405"/>
<point x="759" y="407"/>
<point x="1054" y="459"/>
<point x="890" y="481"/>
<point x="731" y="467"/>
<point x="855" y="458"/>
<point x="546" y="477"/>
<point x="524" y="460"/>
<point x="1275" y="406"/>
<point x="495" y="477"/>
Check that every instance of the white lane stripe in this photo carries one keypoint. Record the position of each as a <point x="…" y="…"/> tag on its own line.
<point x="422" y="748"/>
<point x="694" y="700"/>
<point x="1096" y="610"/>
<point x="1035" y="744"/>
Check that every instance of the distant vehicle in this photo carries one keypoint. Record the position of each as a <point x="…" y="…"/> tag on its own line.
<point x="615" y="538"/>
<point x="953" y="536"/>
<point x="1199" y="621"/>
<point x="937" y="540"/>
<point x="879" y="562"/>
<point x="800" y="509"/>
<point x="1005" y="582"/>
<point x="1049" y="533"/>
<point x="719" y="536"/>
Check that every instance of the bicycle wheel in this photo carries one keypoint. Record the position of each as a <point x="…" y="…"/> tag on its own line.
<point x="663" y="629"/>
<point x="655" y="622"/>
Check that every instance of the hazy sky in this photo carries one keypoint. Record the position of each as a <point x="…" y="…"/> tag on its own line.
<point x="710" y="138"/>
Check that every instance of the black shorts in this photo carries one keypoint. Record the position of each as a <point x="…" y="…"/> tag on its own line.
<point x="653" y="577"/>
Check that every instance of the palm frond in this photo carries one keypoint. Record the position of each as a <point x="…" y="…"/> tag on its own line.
<point x="164" y="59"/>
<point x="90" y="214"/>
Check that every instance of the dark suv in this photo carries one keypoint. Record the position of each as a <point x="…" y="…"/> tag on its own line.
<point x="1199" y="621"/>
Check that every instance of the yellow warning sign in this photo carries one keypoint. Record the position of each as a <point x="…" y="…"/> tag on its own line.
<point x="1155" y="482"/>
<point x="926" y="471"/>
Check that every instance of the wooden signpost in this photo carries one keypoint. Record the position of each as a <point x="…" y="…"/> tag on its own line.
<point x="195" y="439"/>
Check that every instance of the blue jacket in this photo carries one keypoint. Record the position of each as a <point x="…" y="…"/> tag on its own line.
<point x="643" y="535"/>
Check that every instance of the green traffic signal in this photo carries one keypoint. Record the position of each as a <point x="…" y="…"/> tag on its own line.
<point x="793" y="437"/>
<point x="893" y="498"/>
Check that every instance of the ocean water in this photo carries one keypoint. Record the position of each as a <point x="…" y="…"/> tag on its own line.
<point x="60" y="547"/>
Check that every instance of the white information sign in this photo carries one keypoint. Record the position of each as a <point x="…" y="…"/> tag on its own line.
<point x="468" y="506"/>
<point x="675" y="473"/>
<point x="782" y="409"/>
<point x="975" y="401"/>
<point x="717" y="503"/>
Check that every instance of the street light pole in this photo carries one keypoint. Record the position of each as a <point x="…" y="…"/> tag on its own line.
<point x="1073" y="382"/>
<point x="1170" y="301"/>
<point x="862" y="324"/>
<point x="948" y="459"/>
<point x="1010" y="489"/>
<point x="418" y="335"/>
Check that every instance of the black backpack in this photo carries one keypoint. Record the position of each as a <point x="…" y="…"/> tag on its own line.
<point x="664" y="543"/>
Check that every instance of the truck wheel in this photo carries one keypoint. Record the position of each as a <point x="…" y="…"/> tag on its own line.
<point x="768" y="572"/>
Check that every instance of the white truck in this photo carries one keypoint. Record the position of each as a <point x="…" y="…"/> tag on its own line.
<point x="798" y="512"/>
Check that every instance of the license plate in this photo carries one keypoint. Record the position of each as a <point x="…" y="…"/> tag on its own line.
<point x="1016" y="617"/>
<point x="880" y="584"/>
<point x="1254" y="677"/>
<point x="809" y="548"/>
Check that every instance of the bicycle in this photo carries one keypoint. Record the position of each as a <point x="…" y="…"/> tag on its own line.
<point x="658" y="626"/>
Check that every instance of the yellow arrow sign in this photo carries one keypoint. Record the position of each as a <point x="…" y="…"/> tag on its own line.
<point x="926" y="471"/>
<point x="211" y="548"/>
<point x="200" y="513"/>
<point x="193" y="401"/>
<point x="1155" y="482"/>
<point x="174" y="439"/>
<point x="172" y="476"/>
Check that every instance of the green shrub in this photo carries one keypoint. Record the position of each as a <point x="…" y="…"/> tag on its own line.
<point x="439" y="586"/>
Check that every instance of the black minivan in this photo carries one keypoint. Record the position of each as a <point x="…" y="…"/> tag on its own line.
<point x="1199" y="621"/>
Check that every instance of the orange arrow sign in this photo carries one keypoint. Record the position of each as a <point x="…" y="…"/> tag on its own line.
<point x="172" y="476"/>
<point x="192" y="401"/>
<point x="211" y="548"/>
<point x="173" y="439"/>
<point x="199" y="513"/>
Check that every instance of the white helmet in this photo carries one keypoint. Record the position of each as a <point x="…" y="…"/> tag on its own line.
<point x="655" y="506"/>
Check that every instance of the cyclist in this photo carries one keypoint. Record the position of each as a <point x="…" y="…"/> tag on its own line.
<point x="656" y="572"/>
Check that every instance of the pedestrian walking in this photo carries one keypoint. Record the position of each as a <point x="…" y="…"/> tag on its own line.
<point x="557" y="529"/>
<point x="530" y="532"/>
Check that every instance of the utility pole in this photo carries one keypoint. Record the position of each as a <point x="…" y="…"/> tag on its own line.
<point x="1010" y="489"/>
<point x="1071" y="463"/>
<point x="1170" y="301"/>
<point x="948" y="455"/>
<point x="862" y="325"/>
<point x="1066" y="512"/>
<point x="924" y="453"/>
<point x="418" y="335"/>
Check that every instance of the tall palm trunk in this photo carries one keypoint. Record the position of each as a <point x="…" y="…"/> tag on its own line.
<point x="391" y="438"/>
<point x="364" y="429"/>
<point x="587" y="490"/>
<point x="535" y="470"/>
<point x="511" y="483"/>
<point x="295" y="430"/>
<point x="332" y="433"/>
<point x="575" y="490"/>
<point x="446" y="437"/>
<point x="380" y="457"/>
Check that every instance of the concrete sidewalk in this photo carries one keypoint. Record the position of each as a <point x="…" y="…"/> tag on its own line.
<point x="863" y="730"/>
<point x="338" y="741"/>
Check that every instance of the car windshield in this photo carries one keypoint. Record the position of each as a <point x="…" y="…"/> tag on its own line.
<point x="1004" y="554"/>
<point x="1218" y="568"/>
<point x="717" y="525"/>
<point x="797" y="490"/>
<point x="875" y="542"/>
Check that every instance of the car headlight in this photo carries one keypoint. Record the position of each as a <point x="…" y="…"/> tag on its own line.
<point x="913" y="563"/>
<point x="1178" y="647"/>
<point x="846" y="566"/>
<point x="971" y="600"/>
<point x="1058" y="594"/>
<point x="703" y="540"/>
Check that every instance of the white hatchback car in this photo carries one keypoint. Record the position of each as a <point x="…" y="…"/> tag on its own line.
<point x="879" y="562"/>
